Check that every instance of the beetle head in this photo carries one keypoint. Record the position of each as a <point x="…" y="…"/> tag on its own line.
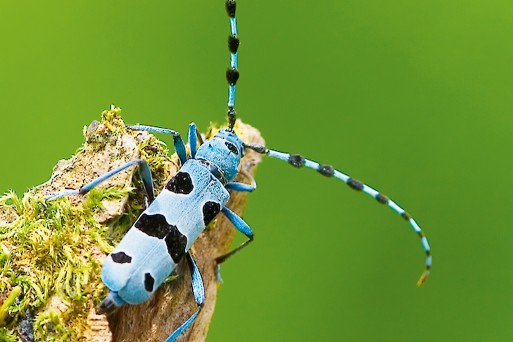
<point x="224" y="150"/>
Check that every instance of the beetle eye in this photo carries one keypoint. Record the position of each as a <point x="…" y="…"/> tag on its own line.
<point x="231" y="147"/>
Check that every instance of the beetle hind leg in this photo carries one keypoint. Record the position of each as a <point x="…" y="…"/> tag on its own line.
<point x="198" y="290"/>
<point x="242" y="227"/>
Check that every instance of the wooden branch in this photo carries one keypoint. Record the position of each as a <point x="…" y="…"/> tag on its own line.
<point x="109" y="144"/>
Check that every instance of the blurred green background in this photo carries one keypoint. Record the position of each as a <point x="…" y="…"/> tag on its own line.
<point x="412" y="97"/>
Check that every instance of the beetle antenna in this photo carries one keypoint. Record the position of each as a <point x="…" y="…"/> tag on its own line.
<point x="298" y="161"/>
<point x="232" y="74"/>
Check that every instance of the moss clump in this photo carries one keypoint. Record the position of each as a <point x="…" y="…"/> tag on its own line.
<point x="51" y="251"/>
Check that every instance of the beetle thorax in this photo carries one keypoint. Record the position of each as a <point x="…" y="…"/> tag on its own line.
<point x="224" y="151"/>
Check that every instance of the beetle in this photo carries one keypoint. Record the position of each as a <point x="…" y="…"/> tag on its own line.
<point x="165" y="231"/>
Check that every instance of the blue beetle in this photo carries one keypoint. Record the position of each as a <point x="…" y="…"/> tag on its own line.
<point x="166" y="230"/>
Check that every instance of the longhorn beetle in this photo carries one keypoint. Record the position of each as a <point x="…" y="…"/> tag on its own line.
<point x="166" y="230"/>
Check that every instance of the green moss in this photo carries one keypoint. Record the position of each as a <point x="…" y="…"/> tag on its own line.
<point x="50" y="251"/>
<point x="7" y="335"/>
<point x="49" y="247"/>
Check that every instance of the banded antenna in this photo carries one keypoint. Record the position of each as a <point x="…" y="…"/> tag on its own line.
<point x="232" y="74"/>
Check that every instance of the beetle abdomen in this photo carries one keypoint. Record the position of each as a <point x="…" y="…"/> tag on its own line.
<point x="164" y="232"/>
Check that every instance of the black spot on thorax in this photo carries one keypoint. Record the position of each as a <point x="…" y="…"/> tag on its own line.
<point x="231" y="147"/>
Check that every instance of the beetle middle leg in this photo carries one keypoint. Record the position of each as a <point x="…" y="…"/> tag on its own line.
<point x="198" y="290"/>
<point x="242" y="227"/>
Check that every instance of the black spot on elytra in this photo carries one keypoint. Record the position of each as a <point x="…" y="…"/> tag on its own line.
<point x="210" y="210"/>
<point x="231" y="147"/>
<point x="157" y="226"/>
<point x="121" y="258"/>
<point x="176" y="243"/>
<point x="149" y="281"/>
<point x="154" y="225"/>
<point x="181" y="183"/>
